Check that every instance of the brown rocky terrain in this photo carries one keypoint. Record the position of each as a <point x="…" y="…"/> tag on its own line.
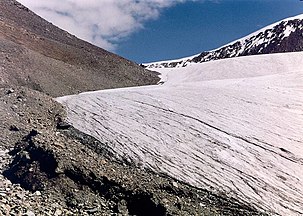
<point x="37" y="54"/>
<point x="49" y="168"/>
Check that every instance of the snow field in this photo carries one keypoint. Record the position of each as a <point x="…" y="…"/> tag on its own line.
<point x="233" y="126"/>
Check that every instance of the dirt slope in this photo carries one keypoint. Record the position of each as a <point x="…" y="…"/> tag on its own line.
<point x="37" y="54"/>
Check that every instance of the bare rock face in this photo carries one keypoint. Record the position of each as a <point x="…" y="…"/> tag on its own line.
<point x="37" y="54"/>
<point x="284" y="36"/>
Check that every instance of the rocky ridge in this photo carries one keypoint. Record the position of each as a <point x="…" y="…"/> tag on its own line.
<point x="39" y="55"/>
<point x="283" y="36"/>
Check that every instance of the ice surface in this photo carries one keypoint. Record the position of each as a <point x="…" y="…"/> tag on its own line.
<point x="233" y="126"/>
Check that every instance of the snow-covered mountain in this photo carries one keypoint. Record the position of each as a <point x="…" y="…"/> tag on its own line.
<point x="232" y="126"/>
<point x="283" y="36"/>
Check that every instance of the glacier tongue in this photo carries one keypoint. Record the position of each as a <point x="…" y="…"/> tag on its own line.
<point x="233" y="126"/>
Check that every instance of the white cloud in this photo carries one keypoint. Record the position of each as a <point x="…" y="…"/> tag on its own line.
<point x="101" y="22"/>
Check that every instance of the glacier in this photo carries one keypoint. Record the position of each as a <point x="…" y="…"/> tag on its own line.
<point x="231" y="126"/>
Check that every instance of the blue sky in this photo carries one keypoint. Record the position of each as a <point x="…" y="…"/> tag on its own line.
<point x="152" y="30"/>
<point x="190" y="28"/>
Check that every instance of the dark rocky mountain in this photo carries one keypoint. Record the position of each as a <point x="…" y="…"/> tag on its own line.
<point x="283" y="36"/>
<point x="37" y="54"/>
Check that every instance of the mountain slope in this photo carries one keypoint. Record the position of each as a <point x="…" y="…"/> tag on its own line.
<point x="35" y="53"/>
<point x="283" y="36"/>
<point x="47" y="167"/>
<point x="232" y="126"/>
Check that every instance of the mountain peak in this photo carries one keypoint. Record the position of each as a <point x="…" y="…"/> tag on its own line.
<point x="283" y="36"/>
